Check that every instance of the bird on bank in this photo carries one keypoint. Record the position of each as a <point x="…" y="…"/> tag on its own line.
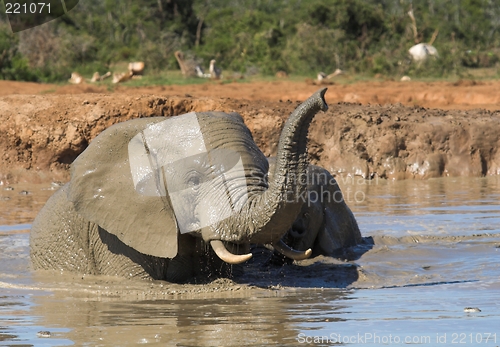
<point x="215" y="71"/>
<point x="200" y="73"/>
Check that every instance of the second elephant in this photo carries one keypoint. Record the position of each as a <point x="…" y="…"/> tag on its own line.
<point x="325" y="224"/>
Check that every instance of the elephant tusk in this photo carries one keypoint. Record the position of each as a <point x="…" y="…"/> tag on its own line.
<point x="291" y="253"/>
<point x="227" y="256"/>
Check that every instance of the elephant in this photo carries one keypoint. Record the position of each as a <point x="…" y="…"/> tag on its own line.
<point x="175" y="198"/>
<point x="325" y="224"/>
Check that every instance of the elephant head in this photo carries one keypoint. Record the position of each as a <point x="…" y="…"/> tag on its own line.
<point x="325" y="224"/>
<point x="149" y="180"/>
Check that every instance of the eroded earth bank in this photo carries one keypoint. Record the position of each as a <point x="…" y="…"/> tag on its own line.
<point x="42" y="134"/>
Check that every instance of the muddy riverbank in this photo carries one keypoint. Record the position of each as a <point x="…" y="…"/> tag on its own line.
<point x="42" y="134"/>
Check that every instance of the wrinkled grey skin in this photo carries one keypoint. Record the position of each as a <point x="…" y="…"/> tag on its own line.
<point x="99" y="224"/>
<point x="325" y="223"/>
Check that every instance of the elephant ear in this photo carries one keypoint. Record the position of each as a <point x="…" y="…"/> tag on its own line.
<point x="115" y="185"/>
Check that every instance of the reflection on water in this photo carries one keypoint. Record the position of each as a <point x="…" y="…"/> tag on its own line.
<point x="436" y="251"/>
<point x="19" y="204"/>
<point x="446" y="207"/>
<point x="416" y="197"/>
<point x="420" y="315"/>
<point x="267" y="320"/>
<point x="433" y="231"/>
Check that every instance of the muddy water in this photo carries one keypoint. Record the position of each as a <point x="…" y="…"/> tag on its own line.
<point x="432" y="249"/>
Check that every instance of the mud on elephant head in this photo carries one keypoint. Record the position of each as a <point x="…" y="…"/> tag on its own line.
<point x="157" y="184"/>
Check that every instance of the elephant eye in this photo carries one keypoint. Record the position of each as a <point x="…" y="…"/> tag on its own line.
<point x="306" y="215"/>
<point x="194" y="180"/>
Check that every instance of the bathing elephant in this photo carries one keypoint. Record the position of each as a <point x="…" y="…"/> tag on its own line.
<point x="325" y="224"/>
<point x="175" y="198"/>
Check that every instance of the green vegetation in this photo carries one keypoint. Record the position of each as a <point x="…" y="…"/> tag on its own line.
<point x="257" y="36"/>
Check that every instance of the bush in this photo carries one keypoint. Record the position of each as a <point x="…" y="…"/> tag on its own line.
<point x="300" y="37"/>
<point x="13" y="66"/>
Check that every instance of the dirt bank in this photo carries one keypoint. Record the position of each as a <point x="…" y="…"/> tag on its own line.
<point x="462" y="94"/>
<point x="42" y="134"/>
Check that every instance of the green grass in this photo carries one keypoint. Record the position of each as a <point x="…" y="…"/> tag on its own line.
<point x="175" y="77"/>
<point x="484" y="73"/>
<point x="48" y="91"/>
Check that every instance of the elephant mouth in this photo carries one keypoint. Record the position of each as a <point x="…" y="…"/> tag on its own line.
<point x="298" y="229"/>
<point x="296" y="233"/>
<point x="280" y="246"/>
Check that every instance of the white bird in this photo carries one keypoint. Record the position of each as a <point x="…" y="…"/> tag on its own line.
<point x="215" y="72"/>
<point x="321" y="76"/>
<point x="422" y="51"/>
<point x="200" y="73"/>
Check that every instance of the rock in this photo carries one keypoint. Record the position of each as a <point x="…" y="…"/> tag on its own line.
<point x="471" y="310"/>
<point x="43" y="334"/>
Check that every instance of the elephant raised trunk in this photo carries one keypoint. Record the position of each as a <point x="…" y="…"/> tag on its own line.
<point x="268" y="214"/>
<point x="282" y="202"/>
